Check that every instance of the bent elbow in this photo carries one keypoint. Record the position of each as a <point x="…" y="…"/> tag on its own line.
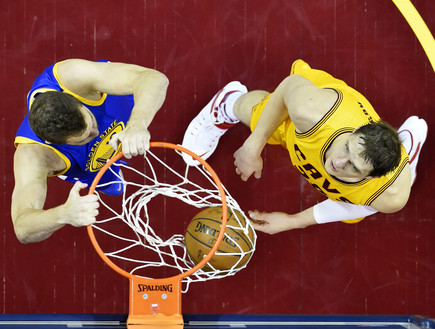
<point x="165" y="79"/>
<point x="22" y="236"/>
<point x="159" y="78"/>
<point x="19" y="229"/>
<point x="26" y="236"/>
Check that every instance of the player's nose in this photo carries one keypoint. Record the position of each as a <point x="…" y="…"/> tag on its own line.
<point x="340" y="162"/>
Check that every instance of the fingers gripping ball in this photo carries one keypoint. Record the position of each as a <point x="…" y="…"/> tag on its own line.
<point x="236" y="247"/>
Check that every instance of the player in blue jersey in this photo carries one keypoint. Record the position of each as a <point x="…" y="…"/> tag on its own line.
<point x="80" y="112"/>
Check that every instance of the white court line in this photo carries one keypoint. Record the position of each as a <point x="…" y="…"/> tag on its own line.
<point x="419" y="27"/>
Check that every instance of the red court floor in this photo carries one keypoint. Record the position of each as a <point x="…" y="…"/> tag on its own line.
<point x="383" y="265"/>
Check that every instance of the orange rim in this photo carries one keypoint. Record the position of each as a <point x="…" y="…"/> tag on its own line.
<point x="224" y="213"/>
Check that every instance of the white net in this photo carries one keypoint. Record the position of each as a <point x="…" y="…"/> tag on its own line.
<point x="142" y="231"/>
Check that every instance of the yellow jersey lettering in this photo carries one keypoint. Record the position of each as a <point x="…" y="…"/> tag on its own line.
<point x="313" y="172"/>
<point x="318" y="188"/>
<point x="302" y="172"/>
<point x="366" y="113"/>
<point x="298" y="153"/>
<point x="326" y="185"/>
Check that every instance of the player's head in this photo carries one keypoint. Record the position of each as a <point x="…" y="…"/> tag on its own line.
<point x="372" y="150"/>
<point x="381" y="147"/>
<point x="60" y="118"/>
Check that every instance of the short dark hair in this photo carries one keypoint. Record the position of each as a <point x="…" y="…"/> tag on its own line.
<point x="382" y="147"/>
<point x="54" y="116"/>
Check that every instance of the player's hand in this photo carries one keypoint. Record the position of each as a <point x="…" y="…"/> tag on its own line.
<point x="135" y="139"/>
<point x="80" y="210"/>
<point x="247" y="162"/>
<point x="271" y="223"/>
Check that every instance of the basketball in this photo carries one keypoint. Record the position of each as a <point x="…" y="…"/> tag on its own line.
<point x="236" y="247"/>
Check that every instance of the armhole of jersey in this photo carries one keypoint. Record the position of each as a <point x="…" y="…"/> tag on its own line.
<point x="80" y="98"/>
<point x="25" y="140"/>
<point x="325" y="117"/>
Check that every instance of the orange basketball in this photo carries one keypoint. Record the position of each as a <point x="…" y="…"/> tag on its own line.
<point x="236" y="246"/>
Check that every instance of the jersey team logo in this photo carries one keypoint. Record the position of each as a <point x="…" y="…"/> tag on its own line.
<point x="101" y="152"/>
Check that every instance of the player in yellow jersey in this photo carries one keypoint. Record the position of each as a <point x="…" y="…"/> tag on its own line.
<point x="335" y="139"/>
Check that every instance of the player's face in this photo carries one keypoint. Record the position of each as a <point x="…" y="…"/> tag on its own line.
<point x="343" y="159"/>
<point x="90" y="132"/>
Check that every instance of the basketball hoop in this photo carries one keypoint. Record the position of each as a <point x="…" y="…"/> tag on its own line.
<point x="156" y="302"/>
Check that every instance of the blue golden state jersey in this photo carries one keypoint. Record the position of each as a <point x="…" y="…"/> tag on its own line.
<point x="82" y="161"/>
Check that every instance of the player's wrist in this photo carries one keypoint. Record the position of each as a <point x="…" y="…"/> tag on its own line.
<point x="139" y="123"/>
<point x="63" y="214"/>
<point x="254" y="145"/>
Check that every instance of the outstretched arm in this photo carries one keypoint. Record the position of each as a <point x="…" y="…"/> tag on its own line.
<point x="32" y="164"/>
<point x="148" y="86"/>
<point x="275" y="222"/>
<point x="391" y="200"/>
<point x="327" y="211"/>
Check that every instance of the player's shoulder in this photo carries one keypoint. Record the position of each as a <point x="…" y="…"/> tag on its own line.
<point x="396" y="195"/>
<point x="307" y="104"/>
<point x="29" y="156"/>
<point x="81" y="77"/>
<point x="73" y="67"/>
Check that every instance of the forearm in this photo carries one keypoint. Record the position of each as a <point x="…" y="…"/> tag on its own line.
<point x="303" y="219"/>
<point x="32" y="223"/>
<point x="276" y="222"/>
<point x="273" y="115"/>
<point x="35" y="225"/>
<point x="324" y="212"/>
<point x="149" y="92"/>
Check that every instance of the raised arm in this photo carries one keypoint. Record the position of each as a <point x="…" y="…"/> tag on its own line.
<point x="32" y="164"/>
<point x="295" y="97"/>
<point x="148" y="86"/>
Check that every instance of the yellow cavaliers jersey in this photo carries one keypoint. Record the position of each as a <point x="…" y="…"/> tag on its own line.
<point x="307" y="150"/>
